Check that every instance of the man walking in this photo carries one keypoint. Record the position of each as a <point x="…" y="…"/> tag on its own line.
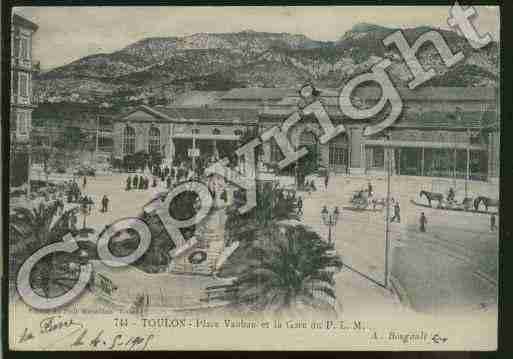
<point x="105" y="204"/>
<point x="299" y="206"/>
<point x="397" y="213"/>
<point x="128" y="184"/>
<point x="423" y="222"/>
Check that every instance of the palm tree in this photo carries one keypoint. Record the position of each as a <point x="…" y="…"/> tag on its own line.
<point x="291" y="270"/>
<point x="33" y="228"/>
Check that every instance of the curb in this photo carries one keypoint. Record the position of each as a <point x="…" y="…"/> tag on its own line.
<point x="399" y="293"/>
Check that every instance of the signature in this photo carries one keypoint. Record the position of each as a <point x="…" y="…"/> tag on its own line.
<point x="50" y="325"/>
<point x="60" y="328"/>
<point x="117" y="342"/>
<point x="55" y="323"/>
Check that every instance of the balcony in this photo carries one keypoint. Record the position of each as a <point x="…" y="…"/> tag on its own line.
<point x="30" y="101"/>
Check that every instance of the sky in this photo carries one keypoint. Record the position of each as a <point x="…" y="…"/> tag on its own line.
<point x="68" y="33"/>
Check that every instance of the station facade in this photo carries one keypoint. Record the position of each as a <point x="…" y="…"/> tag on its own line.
<point x="441" y="132"/>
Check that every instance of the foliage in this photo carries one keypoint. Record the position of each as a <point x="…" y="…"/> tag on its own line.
<point x="272" y="204"/>
<point x="33" y="228"/>
<point x="290" y="269"/>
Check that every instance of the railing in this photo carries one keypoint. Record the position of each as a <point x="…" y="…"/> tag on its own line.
<point x="221" y="292"/>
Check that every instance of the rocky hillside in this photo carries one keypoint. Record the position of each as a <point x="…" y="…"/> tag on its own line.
<point x="154" y="66"/>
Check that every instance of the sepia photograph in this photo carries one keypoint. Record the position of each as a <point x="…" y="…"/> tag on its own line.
<point x="253" y="178"/>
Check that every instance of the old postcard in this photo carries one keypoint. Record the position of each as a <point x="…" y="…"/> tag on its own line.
<point x="253" y="178"/>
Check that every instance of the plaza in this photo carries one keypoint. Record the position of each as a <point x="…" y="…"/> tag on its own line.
<point x="451" y="267"/>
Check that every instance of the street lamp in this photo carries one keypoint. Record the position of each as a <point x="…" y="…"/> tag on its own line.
<point x="330" y="220"/>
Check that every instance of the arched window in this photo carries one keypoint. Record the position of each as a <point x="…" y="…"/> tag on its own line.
<point x="154" y="140"/>
<point x="129" y="140"/>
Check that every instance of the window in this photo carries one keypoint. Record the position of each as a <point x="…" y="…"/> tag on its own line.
<point x="24" y="48"/>
<point x="154" y="141"/>
<point x="23" y="84"/>
<point x="128" y="140"/>
<point x="23" y="124"/>
<point x="16" y="46"/>
<point x="375" y="157"/>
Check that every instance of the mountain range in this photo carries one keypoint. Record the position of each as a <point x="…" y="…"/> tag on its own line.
<point x="220" y="61"/>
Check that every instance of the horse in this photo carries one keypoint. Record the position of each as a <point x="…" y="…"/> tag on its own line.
<point x="432" y="196"/>
<point x="488" y="202"/>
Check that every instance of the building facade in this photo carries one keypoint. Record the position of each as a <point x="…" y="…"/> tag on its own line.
<point x="441" y="132"/>
<point x="75" y="133"/>
<point x="22" y="104"/>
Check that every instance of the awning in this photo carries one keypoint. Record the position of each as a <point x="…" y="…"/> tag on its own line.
<point x="425" y="144"/>
<point x="206" y="136"/>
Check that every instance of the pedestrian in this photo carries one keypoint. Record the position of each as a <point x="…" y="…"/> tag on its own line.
<point x="326" y="180"/>
<point x="168" y="182"/>
<point x="397" y="213"/>
<point x="90" y="204"/>
<point x="105" y="204"/>
<point x="128" y="184"/>
<point x="312" y="185"/>
<point x="299" y="206"/>
<point x="134" y="181"/>
<point x="369" y="188"/>
<point x="84" y="182"/>
<point x="493" y="226"/>
<point x="450" y="196"/>
<point x="140" y="182"/>
<point x="423" y="222"/>
<point x="154" y="182"/>
<point x="324" y="213"/>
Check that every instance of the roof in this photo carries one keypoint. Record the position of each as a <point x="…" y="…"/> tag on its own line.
<point x="195" y="114"/>
<point x="209" y="113"/>
<point x="258" y="93"/>
<point x="434" y="93"/>
<point x="420" y="94"/>
<point x="19" y="20"/>
<point x="427" y="119"/>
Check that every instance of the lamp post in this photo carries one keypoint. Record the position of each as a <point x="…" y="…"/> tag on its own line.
<point x="387" y="222"/>
<point x="330" y="220"/>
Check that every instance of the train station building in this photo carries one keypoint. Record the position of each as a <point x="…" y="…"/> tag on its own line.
<point x="441" y="132"/>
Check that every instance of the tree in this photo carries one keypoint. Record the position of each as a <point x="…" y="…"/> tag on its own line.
<point x="291" y="270"/>
<point x="272" y="204"/>
<point x="33" y="228"/>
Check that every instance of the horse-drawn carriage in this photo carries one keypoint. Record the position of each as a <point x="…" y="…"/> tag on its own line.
<point x="362" y="199"/>
<point x="451" y="203"/>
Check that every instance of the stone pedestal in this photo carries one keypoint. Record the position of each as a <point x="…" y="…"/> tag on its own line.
<point x="209" y="245"/>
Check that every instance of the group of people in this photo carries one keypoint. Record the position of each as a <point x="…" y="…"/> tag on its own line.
<point x="73" y="192"/>
<point x="138" y="182"/>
